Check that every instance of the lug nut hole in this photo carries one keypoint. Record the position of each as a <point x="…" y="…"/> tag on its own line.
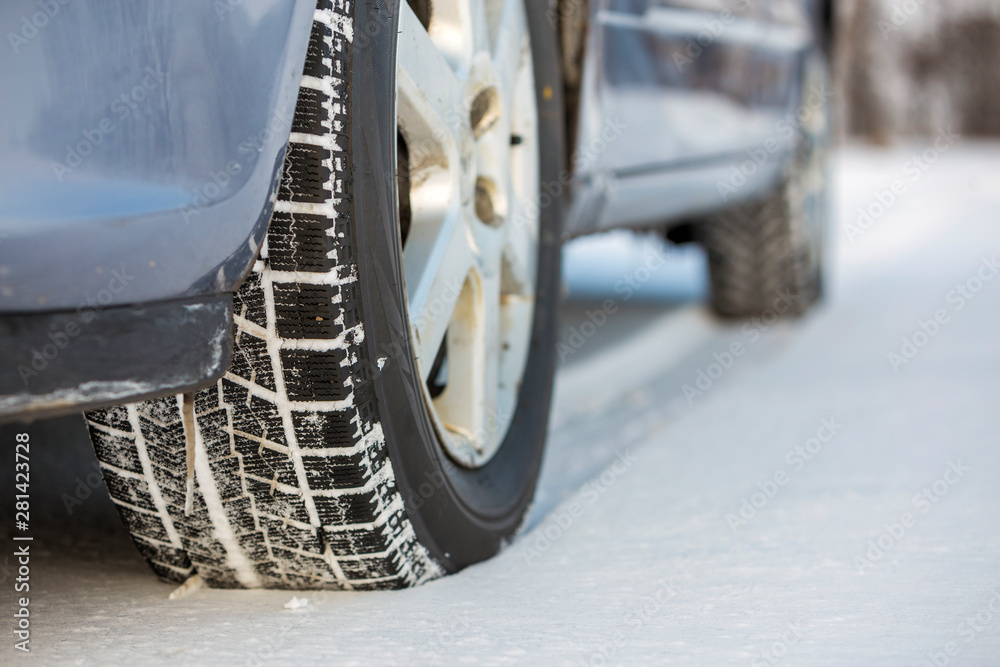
<point x="485" y="111"/>
<point x="486" y="193"/>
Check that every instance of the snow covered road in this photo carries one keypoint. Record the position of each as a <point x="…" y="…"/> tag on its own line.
<point x="817" y="492"/>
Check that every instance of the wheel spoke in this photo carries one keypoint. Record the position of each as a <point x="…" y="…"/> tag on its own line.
<point x="519" y="258"/>
<point x="462" y="406"/>
<point x="489" y="421"/>
<point x="436" y="263"/>
<point x="521" y="226"/>
<point x="515" y="319"/>
<point x="431" y="96"/>
<point x="469" y="405"/>
<point x="479" y="23"/>
<point x="511" y="47"/>
<point x="467" y="111"/>
<point x="459" y="30"/>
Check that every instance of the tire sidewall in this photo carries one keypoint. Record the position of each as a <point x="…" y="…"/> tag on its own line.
<point x="815" y="147"/>
<point x="461" y="516"/>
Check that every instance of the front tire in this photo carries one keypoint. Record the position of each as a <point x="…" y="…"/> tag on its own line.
<point x="321" y="459"/>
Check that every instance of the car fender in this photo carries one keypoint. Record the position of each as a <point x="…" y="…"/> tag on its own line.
<point x="143" y="140"/>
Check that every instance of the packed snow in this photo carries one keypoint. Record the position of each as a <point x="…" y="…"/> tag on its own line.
<point x="828" y="495"/>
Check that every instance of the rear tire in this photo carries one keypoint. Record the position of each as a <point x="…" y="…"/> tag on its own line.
<point x="767" y="255"/>
<point x="317" y="461"/>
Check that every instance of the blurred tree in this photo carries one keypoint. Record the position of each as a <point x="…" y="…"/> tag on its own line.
<point x="912" y="67"/>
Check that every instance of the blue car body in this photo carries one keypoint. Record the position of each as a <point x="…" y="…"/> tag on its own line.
<point x="141" y="146"/>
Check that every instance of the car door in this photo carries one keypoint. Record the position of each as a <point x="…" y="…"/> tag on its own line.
<point x="685" y="86"/>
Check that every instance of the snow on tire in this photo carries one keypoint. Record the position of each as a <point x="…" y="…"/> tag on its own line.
<point x="314" y="453"/>
<point x="286" y="498"/>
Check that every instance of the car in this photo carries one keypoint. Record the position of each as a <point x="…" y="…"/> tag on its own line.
<point x="298" y="261"/>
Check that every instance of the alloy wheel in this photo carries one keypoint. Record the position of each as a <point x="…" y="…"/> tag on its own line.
<point x="467" y="118"/>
